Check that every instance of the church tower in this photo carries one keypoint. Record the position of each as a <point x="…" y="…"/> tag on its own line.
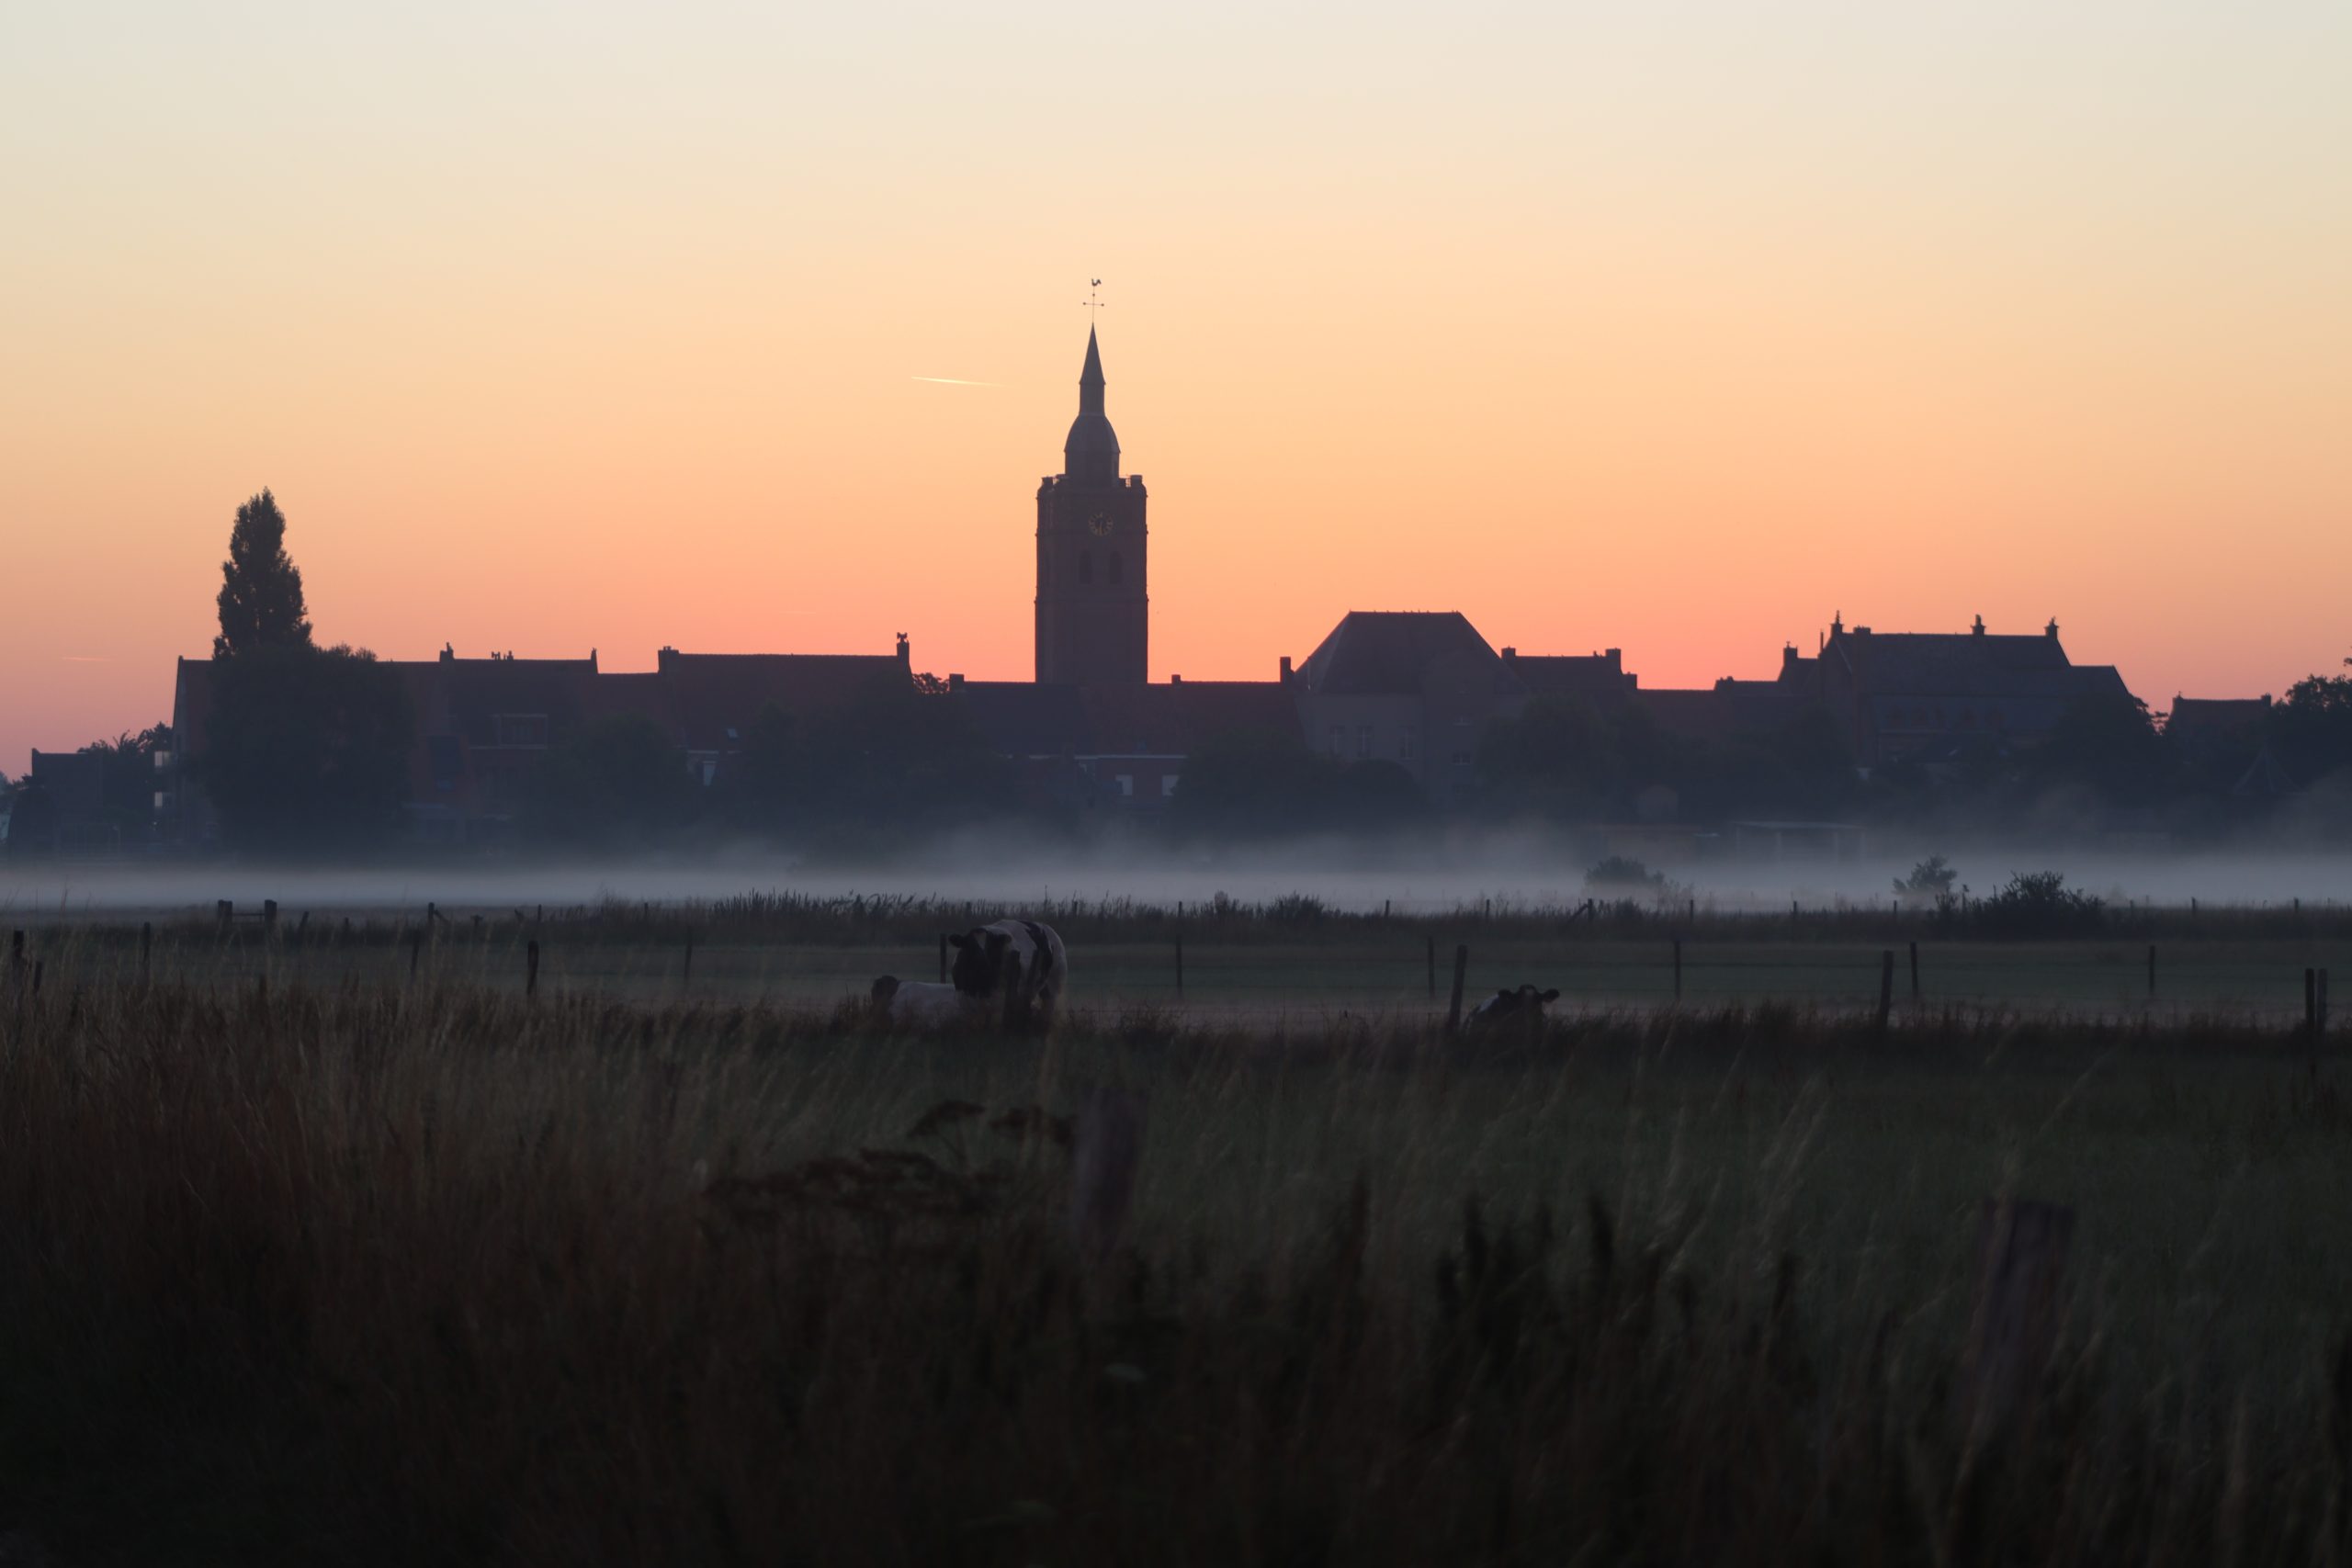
<point x="1093" y="617"/>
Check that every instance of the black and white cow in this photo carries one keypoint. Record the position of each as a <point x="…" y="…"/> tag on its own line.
<point x="921" y="1003"/>
<point x="985" y="957"/>
<point x="1519" y="1009"/>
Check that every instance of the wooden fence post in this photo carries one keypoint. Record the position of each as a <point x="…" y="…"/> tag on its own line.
<point x="269" y="914"/>
<point x="2022" y="1247"/>
<point x="1885" y="988"/>
<point x="1102" y="1169"/>
<point x="1915" y="974"/>
<point x="531" y="971"/>
<point x="1461" y="973"/>
<point x="227" y="909"/>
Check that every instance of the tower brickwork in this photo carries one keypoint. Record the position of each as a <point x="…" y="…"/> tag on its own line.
<point x="1093" y="607"/>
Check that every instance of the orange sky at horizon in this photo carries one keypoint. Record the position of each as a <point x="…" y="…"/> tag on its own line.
<point x="560" y="328"/>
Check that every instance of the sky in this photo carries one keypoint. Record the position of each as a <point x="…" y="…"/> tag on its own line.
<point x="1676" y="327"/>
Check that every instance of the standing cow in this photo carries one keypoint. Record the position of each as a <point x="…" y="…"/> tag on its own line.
<point x="1018" y="963"/>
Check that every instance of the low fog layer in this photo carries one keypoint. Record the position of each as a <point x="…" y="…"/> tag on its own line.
<point x="992" y="874"/>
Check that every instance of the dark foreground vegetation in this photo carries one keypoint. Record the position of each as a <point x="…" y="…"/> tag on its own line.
<point x="430" y="1274"/>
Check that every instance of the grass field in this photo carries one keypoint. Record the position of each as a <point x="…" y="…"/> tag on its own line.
<point x="303" y="1259"/>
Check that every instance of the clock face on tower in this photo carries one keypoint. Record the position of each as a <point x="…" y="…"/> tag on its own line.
<point x="1100" y="523"/>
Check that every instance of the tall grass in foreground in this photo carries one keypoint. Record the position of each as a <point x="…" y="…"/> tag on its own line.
<point x="419" y="1274"/>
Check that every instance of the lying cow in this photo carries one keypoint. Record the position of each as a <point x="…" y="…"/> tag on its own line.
<point x="921" y="1003"/>
<point x="1019" y="963"/>
<point x="1520" y="1008"/>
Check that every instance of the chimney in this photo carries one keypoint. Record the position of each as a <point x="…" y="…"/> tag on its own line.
<point x="663" y="660"/>
<point x="905" y="652"/>
<point x="1861" y="631"/>
<point x="1175" y="679"/>
<point x="1978" y="629"/>
<point x="2051" y="631"/>
<point x="1285" y="668"/>
<point x="955" y="682"/>
<point x="1789" y="656"/>
<point x="1616" y="657"/>
<point x="591" y="662"/>
<point x="448" y="654"/>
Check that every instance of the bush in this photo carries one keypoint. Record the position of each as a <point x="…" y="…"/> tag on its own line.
<point x="2039" y="902"/>
<point x="1620" y="873"/>
<point x="1931" y="878"/>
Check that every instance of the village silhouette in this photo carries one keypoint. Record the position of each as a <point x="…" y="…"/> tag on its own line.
<point x="1396" y="720"/>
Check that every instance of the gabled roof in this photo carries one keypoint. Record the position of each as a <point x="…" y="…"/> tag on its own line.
<point x="1388" y="652"/>
<point x="2215" y="718"/>
<point x="1967" y="664"/>
<point x="470" y="694"/>
<point x="702" y="696"/>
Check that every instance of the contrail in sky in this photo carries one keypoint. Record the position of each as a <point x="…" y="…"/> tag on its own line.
<point x="952" y="381"/>
<point x="83" y="658"/>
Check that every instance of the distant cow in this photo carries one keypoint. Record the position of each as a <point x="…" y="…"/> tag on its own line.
<point x="985" y="957"/>
<point x="1520" y="1008"/>
<point x="925" y="1003"/>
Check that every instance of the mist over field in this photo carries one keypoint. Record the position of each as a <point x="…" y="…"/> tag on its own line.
<point x="998" y="871"/>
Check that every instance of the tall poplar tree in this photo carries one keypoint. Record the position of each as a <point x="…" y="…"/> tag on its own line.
<point x="261" y="592"/>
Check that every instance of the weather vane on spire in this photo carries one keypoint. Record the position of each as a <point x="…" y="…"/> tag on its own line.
<point x="1092" y="303"/>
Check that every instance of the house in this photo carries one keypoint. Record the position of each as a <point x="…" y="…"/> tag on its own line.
<point x="1410" y="687"/>
<point x="1898" y="695"/>
<point x="484" y="726"/>
<point x="1120" y="747"/>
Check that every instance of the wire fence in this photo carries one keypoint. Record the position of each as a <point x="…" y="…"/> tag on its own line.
<point x="1391" y="970"/>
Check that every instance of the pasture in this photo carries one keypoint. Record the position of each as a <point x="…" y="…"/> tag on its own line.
<point x="1266" y="963"/>
<point x="324" y="1243"/>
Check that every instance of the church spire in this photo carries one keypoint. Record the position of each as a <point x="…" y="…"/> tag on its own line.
<point x="1089" y="380"/>
<point x="1093" y="450"/>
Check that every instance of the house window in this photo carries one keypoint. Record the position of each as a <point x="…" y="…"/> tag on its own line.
<point x="1085" y="566"/>
<point x="1364" y="741"/>
<point x="1339" y="740"/>
<point x="1127" y="785"/>
<point x="1168" y="787"/>
<point x="1115" y="564"/>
